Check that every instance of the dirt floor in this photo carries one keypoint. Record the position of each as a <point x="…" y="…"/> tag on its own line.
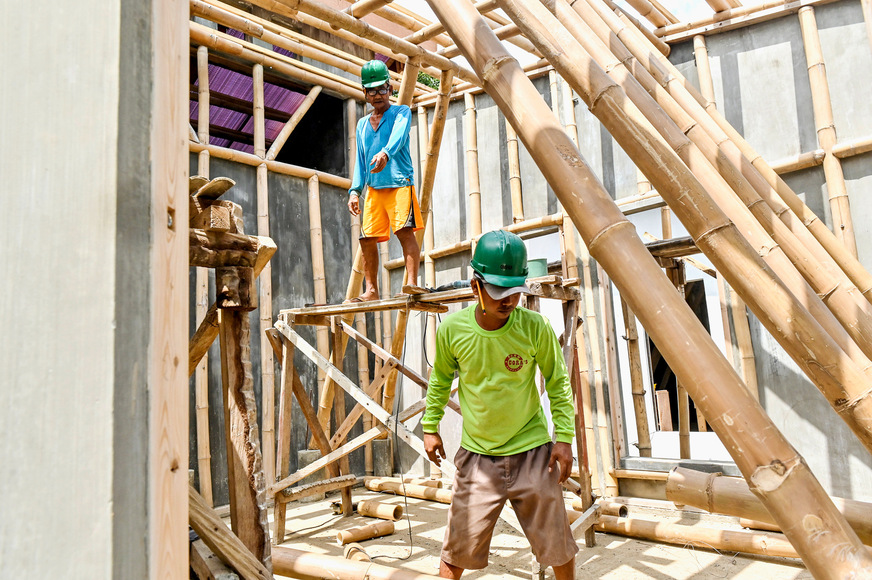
<point x="417" y="540"/>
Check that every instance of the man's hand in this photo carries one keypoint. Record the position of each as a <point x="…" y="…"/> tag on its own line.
<point x="354" y="204"/>
<point x="561" y="455"/>
<point x="378" y="162"/>
<point x="433" y="446"/>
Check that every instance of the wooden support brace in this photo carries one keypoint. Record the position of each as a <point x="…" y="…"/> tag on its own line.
<point x="207" y="566"/>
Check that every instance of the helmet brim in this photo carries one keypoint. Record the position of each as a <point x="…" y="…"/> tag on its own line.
<point x="374" y="84"/>
<point x="500" y="292"/>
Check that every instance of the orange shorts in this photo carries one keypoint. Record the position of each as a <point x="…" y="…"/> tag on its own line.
<point x="390" y="209"/>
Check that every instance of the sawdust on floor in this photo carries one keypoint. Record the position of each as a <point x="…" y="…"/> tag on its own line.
<point x="417" y="540"/>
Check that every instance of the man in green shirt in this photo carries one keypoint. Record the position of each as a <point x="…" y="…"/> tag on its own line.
<point x="505" y="451"/>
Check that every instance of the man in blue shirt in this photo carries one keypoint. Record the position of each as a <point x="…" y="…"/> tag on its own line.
<point x="384" y="166"/>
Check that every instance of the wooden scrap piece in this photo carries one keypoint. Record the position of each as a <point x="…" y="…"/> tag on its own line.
<point x="207" y="566"/>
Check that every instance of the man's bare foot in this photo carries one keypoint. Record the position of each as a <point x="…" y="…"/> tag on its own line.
<point x="365" y="297"/>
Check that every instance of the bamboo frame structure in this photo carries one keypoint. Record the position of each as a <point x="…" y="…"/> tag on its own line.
<point x="853" y="385"/>
<point x="787" y="492"/>
<point x="473" y="183"/>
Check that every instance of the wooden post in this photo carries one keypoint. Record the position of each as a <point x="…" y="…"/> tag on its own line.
<point x="779" y="476"/>
<point x="285" y="437"/>
<point x="339" y="413"/>
<point x="473" y="183"/>
<point x="584" y="407"/>
<point x="843" y="224"/>
<point x="637" y="387"/>
<point x="201" y="376"/>
<point x="245" y="477"/>
<point x="514" y="174"/>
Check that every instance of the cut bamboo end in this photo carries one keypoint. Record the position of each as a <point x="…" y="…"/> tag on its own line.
<point x="376" y="509"/>
<point x="358" y="534"/>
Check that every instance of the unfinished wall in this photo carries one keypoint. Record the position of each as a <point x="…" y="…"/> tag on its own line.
<point x="89" y="163"/>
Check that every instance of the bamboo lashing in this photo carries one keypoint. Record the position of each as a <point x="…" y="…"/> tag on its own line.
<point x="789" y="489"/>
<point x="852" y="387"/>
<point x="840" y="209"/>
<point x="683" y="91"/>
<point x="201" y="378"/>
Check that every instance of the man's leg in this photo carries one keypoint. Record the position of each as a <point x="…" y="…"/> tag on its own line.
<point x="369" y="252"/>
<point x="411" y="253"/>
<point x="566" y="571"/>
<point x="446" y="570"/>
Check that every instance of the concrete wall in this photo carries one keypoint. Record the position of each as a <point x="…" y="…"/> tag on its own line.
<point x="80" y="142"/>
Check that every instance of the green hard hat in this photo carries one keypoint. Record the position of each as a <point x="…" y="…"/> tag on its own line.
<point x="501" y="259"/>
<point x="374" y="74"/>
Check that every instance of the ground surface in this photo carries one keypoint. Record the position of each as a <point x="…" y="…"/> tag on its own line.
<point x="313" y="527"/>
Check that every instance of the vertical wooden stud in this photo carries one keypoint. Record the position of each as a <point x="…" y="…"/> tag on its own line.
<point x="637" y="386"/>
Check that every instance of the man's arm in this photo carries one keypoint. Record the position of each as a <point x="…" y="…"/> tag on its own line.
<point x="399" y="132"/>
<point x="550" y="360"/>
<point x="358" y="179"/>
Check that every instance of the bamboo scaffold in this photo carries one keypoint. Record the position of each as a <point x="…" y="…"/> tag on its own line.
<point x="774" y="469"/>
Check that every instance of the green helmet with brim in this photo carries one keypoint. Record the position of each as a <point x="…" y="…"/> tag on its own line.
<point x="374" y="74"/>
<point x="501" y="259"/>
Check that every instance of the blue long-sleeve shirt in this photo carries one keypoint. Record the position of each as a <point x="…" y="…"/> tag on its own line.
<point x="391" y="137"/>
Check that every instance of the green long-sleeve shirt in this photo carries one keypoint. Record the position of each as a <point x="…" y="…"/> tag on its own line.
<point x="502" y="414"/>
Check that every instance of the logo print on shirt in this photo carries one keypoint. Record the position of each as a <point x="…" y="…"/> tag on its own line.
<point x="514" y="362"/>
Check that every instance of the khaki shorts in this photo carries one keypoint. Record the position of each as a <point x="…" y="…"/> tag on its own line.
<point x="482" y="485"/>
<point x="389" y="209"/>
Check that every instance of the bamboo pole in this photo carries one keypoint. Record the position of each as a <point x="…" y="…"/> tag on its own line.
<point x="676" y="272"/>
<point x="292" y="123"/>
<point x="363" y="7"/>
<point x="743" y="341"/>
<point x="647" y="11"/>
<point x="612" y="375"/>
<point x="851" y="148"/>
<point x="377" y="509"/>
<point x="570" y="249"/>
<point x="267" y="365"/>
<point x="637" y="26"/>
<point x="514" y="174"/>
<point x="731" y="18"/>
<point x="799" y="247"/>
<point x="292" y="68"/>
<point x="779" y="475"/>
<point x="274" y="166"/>
<point x="866" y="6"/>
<point x="361" y="533"/>
<point x="410" y="490"/>
<point x="201" y="377"/>
<point x="410" y="75"/>
<point x="300" y="564"/>
<point x="637" y="387"/>
<point x="843" y="224"/>
<point x="584" y="408"/>
<point x="717" y="493"/>
<point x="752" y="164"/>
<point x="319" y="281"/>
<point x="473" y="184"/>
<point x="762" y="543"/>
<point x="324" y="18"/>
<point x="843" y="390"/>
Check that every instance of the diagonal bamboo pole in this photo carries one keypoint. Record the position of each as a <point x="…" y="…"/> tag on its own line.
<point x="292" y="123"/>
<point x="752" y="163"/>
<point x="647" y="11"/>
<point x="773" y="468"/>
<point x="783" y="315"/>
<point x="718" y="175"/>
<point x="428" y="179"/>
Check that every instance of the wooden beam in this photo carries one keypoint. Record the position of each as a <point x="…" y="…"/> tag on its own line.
<point x="221" y="541"/>
<point x="207" y="566"/>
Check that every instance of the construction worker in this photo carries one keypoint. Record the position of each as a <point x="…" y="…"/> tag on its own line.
<point x="384" y="167"/>
<point x="506" y="451"/>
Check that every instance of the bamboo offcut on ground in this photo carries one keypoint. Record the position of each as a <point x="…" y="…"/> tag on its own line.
<point x="778" y="474"/>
